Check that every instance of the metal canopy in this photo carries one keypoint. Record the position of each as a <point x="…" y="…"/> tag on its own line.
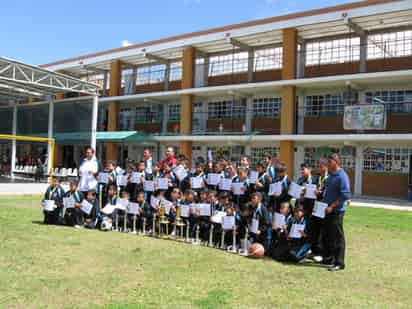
<point x="20" y="80"/>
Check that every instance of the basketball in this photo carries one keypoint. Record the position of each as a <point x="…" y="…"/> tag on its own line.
<point x="256" y="251"/>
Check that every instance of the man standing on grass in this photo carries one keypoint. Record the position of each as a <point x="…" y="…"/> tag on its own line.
<point x="88" y="172"/>
<point x="337" y="193"/>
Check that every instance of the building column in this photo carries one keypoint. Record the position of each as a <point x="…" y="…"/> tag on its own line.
<point x="358" y="170"/>
<point x="50" y="133"/>
<point x="288" y="94"/>
<point x="250" y="66"/>
<point x="113" y="118"/>
<point x="363" y="52"/>
<point x="13" y="142"/>
<point x="299" y="157"/>
<point x="187" y="100"/>
<point x="249" y="114"/>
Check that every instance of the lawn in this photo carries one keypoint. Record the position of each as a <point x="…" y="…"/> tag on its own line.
<point x="60" y="267"/>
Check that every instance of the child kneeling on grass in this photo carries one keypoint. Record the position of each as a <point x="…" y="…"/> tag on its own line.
<point x="92" y="218"/>
<point x="53" y="203"/>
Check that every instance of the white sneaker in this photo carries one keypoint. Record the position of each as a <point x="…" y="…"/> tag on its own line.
<point x="78" y="226"/>
<point x="317" y="258"/>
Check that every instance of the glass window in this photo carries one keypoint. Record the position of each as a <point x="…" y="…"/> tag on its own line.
<point x="227" y="109"/>
<point x="126" y="119"/>
<point x="268" y="59"/>
<point x="258" y="153"/>
<point x="175" y="71"/>
<point x="229" y="63"/>
<point x="396" y="101"/>
<point x="151" y="74"/>
<point x="313" y="154"/>
<point x="395" y="160"/>
<point x="148" y="114"/>
<point x="333" y="51"/>
<point x="173" y="112"/>
<point x="268" y="107"/>
<point x="328" y="104"/>
<point x="390" y="45"/>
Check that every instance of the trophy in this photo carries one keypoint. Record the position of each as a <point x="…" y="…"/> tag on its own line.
<point x="117" y="221"/>
<point x="125" y="222"/>
<point x="144" y="226"/>
<point x="244" y="244"/>
<point x="133" y="231"/>
<point x="210" y="244"/>
<point x="187" y="232"/>
<point x="222" y="240"/>
<point x="179" y="224"/>
<point x="233" y="247"/>
<point x="163" y="221"/>
<point x="154" y="225"/>
<point x="197" y="241"/>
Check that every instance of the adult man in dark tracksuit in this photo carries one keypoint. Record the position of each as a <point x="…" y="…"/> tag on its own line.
<point x="337" y="193"/>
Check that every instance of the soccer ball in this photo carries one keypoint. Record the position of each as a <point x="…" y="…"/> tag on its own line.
<point x="256" y="251"/>
<point x="106" y="225"/>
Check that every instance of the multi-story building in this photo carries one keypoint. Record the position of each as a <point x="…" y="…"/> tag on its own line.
<point x="278" y="85"/>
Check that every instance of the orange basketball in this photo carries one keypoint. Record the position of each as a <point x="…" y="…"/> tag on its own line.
<point x="256" y="251"/>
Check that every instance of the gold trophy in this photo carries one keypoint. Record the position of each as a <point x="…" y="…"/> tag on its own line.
<point x="187" y="232"/>
<point x="233" y="247"/>
<point x="222" y="240"/>
<point x="163" y="221"/>
<point x="154" y="225"/>
<point x="144" y="227"/>
<point x="197" y="241"/>
<point x="179" y="224"/>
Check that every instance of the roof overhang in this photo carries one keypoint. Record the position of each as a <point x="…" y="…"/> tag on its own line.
<point x="369" y="15"/>
<point x="19" y="80"/>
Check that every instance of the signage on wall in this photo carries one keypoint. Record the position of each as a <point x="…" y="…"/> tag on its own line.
<point x="364" y="117"/>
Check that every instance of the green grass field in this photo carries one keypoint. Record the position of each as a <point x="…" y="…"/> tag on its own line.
<point x="59" y="267"/>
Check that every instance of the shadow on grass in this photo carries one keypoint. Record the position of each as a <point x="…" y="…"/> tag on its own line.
<point x="214" y="299"/>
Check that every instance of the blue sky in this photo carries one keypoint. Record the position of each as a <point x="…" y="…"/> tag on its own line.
<point x="46" y="30"/>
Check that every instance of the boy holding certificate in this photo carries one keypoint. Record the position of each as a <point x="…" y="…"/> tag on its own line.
<point x="280" y="245"/>
<point x="53" y="203"/>
<point x="90" y="210"/>
<point x="297" y="236"/>
<point x="241" y="197"/>
<point x="73" y="213"/>
<point x="282" y="196"/>
<point x="259" y="227"/>
<point x="308" y="181"/>
<point x="110" y="170"/>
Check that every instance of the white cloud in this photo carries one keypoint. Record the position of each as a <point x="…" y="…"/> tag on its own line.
<point x="126" y="43"/>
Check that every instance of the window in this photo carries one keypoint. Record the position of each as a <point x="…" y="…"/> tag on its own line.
<point x="227" y="109"/>
<point x="389" y="45"/>
<point x="98" y="79"/>
<point x="313" y="154"/>
<point x="229" y="63"/>
<point x="148" y="114"/>
<point x="175" y="71"/>
<point x="387" y="160"/>
<point x="233" y="153"/>
<point x="173" y="112"/>
<point x="268" y="107"/>
<point x="258" y="153"/>
<point x="268" y="59"/>
<point x="333" y="51"/>
<point x="328" y="104"/>
<point x="126" y="116"/>
<point x="396" y="101"/>
<point x="151" y="74"/>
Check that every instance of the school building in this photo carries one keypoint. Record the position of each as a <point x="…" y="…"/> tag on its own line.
<point x="278" y="85"/>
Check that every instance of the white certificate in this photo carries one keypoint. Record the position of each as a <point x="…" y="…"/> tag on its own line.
<point x="218" y="217"/>
<point x="49" y="205"/>
<point x="148" y="186"/>
<point x="310" y="192"/>
<point x="133" y="208"/>
<point x="295" y="190"/>
<point x="279" y="221"/>
<point x="68" y="202"/>
<point x="122" y="204"/>
<point x="108" y="209"/>
<point x="275" y="188"/>
<point x="136" y="178"/>
<point x="86" y="207"/>
<point x="228" y="222"/>
<point x="319" y="209"/>
<point x="253" y="177"/>
<point x="225" y="184"/>
<point x="103" y="178"/>
<point x="296" y="230"/>
<point x="162" y="183"/>
<point x="184" y="211"/>
<point x="213" y="179"/>
<point x="254" y="226"/>
<point x="237" y="188"/>
<point x="196" y="182"/>
<point x="167" y="205"/>
<point x="180" y="173"/>
<point x="154" y="202"/>
<point x="204" y="209"/>
<point x="121" y="180"/>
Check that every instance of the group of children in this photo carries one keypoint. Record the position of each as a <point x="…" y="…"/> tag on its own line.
<point x="214" y="203"/>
